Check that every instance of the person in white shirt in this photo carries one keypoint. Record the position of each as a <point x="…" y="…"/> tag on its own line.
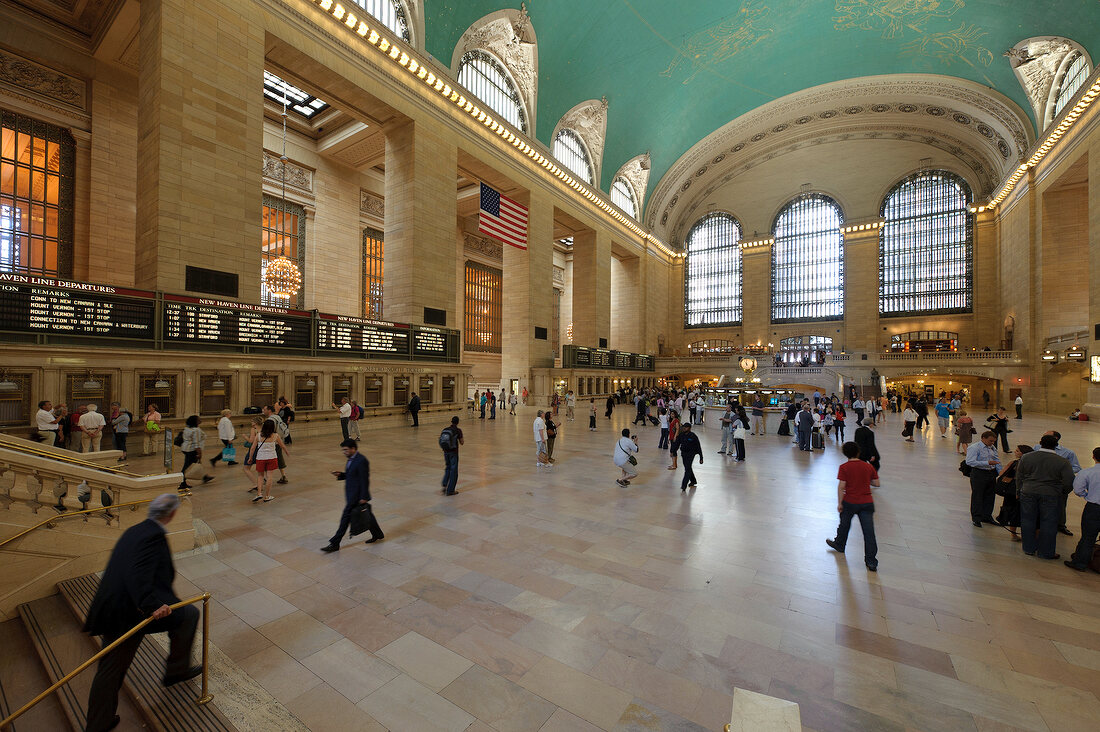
<point x="513" y="400"/>
<point x="909" y="417"/>
<point x="345" y="416"/>
<point x="570" y="404"/>
<point x="46" y="423"/>
<point x="226" y="433"/>
<point x="539" y="426"/>
<point x="91" y="429"/>
<point x="624" y="449"/>
<point x="1019" y="407"/>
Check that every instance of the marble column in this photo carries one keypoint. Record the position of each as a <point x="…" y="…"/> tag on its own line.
<point x="591" y="301"/>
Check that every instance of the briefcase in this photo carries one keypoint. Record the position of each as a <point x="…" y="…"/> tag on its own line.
<point x="359" y="518"/>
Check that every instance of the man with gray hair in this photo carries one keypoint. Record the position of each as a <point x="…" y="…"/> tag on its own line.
<point x="137" y="584"/>
<point x="91" y="424"/>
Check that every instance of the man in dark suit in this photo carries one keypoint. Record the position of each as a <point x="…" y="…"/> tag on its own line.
<point x="414" y="410"/>
<point x="356" y="477"/>
<point x="138" y="584"/>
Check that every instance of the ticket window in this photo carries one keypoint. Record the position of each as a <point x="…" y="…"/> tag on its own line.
<point x="305" y="393"/>
<point x="161" y="390"/>
<point x="426" y="384"/>
<point x="87" y="388"/>
<point x="341" y="389"/>
<point x="448" y="390"/>
<point x="15" y="399"/>
<point x="264" y="390"/>
<point x="400" y="391"/>
<point x="215" y="392"/>
<point x="372" y="391"/>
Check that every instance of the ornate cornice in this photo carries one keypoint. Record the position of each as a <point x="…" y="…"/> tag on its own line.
<point x="43" y="83"/>
<point x="500" y="33"/>
<point x="298" y="176"/>
<point x="372" y="204"/>
<point x="473" y="244"/>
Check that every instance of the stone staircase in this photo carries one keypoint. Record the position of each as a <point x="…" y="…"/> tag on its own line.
<point x="46" y="642"/>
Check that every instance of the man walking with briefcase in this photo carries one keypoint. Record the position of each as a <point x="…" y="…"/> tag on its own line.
<point x="356" y="477"/>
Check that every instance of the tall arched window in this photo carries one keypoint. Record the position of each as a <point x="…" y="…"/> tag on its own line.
<point x="925" y="246"/>
<point x="622" y="195"/>
<point x="808" y="261"/>
<point x="485" y="77"/>
<point x="1077" y="72"/>
<point x="712" y="275"/>
<point x="571" y="152"/>
<point x="391" y="13"/>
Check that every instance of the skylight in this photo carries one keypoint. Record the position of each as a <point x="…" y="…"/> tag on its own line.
<point x="300" y="101"/>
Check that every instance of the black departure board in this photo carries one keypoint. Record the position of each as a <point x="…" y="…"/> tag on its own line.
<point x="62" y="307"/>
<point x="203" y="320"/>
<point x="361" y="335"/>
<point x="582" y="357"/>
<point x="430" y="342"/>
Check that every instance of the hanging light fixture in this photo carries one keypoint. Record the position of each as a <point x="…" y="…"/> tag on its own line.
<point x="281" y="276"/>
<point x="266" y="382"/>
<point x="218" y="382"/>
<point x="161" y="382"/>
<point x="345" y="381"/>
<point x="90" y="382"/>
<point x="310" y="382"/>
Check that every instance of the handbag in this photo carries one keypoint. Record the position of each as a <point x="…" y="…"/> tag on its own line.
<point x="152" y="426"/>
<point x="229" y="453"/>
<point x="178" y="441"/>
<point x="359" y="513"/>
<point x="739" y="432"/>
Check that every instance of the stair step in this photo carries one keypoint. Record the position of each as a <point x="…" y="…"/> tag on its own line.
<point x="22" y="678"/>
<point x="172" y="709"/>
<point x="61" y="646"/>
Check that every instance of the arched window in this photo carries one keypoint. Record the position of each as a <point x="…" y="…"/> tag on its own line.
<point x="622" y="195"/>
<point x="485" y="77"/>
<point x="570" y="152"/>
<point x="1077" y="72"/>
<point x="925" y="246"/>
<point x="712" y="275"/>
<point x="808" y="261"/>
<point x="391" y="13"/>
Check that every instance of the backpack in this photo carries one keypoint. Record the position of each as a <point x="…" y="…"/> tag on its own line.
<point x="448" y="439"/>
<point x="355" y="412"/>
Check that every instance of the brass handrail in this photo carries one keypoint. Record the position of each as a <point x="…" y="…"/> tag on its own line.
<point x="35" y="450"/>
<point x="204" y="698"/>
<point x="132" y="504"/>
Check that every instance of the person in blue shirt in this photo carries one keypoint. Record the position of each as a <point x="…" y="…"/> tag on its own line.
<point x="1074" y="464"/>
<point x="984" y="466"/>
<point x="943" y="413"/>
<point x="1087" y="485"/>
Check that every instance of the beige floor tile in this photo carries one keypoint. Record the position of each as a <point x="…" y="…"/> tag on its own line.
<point x="282" y="676"/>
<point x="425" y="660"/>
<point x="563" y="721"/>
<point x="259" y="607"/>
<point x="322" y="708"/>
<point x="350" y="669"/>
<point x="502" y="704"/>
<point x="494" y="652"/>
<point x="299" y="634"/>
<point x="404" y="705"/>
<point x="583" y="695"/>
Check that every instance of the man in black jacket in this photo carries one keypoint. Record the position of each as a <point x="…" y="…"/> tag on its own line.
<point x="356" y="477"/>
<point x="689" y="448"/>
<point x="414" y="409"/>
<point x="138" y="584"/>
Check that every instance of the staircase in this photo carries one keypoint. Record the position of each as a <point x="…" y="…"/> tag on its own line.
<point x="46" y="642"/>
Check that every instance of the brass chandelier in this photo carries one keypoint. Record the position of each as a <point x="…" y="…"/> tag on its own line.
<point x="281" y="277"/>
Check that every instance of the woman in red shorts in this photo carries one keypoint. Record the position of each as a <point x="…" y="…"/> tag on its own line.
<point x="267" y="462"/>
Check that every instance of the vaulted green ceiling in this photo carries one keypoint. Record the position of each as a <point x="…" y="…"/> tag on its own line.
<point x="674" y="71"/>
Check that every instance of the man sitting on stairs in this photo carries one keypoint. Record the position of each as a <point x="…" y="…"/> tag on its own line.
<point x="138" y="584"/>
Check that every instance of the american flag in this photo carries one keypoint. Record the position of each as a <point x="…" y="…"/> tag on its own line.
<point x="502" y="218"/>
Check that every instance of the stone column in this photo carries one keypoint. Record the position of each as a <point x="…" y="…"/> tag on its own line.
<point x="861" y="286"/>
<point x="756" y="295"/>
<point x="627" y="302"/>
<point x="421" y="215"/>
<point x="591" y="288"/>
<point x="528" y="302"/>
<point x="200" y="138"/>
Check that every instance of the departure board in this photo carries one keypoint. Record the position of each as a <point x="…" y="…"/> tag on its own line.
<point x="430" y="342"/>
<point x="582" y="357"/>
<point x="204" y="320"/>
<point x="373" y="337"/>
<point x="62" y="307"/>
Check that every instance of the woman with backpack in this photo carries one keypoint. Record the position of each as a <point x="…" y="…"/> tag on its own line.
<point x="353" y="421"/>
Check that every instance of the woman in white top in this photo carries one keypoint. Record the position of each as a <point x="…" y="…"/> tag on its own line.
<point x="624" y="451"/>
<point x="226" y="433"/>
<point x="267" y="460"/>
<point x="909" y="416"/>
<point x="194" y="440"/>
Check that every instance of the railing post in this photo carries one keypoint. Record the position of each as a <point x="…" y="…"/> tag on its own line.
<point x="206" y="695"/>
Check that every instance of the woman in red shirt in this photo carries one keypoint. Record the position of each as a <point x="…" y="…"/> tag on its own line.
<point x="854" y="499"/>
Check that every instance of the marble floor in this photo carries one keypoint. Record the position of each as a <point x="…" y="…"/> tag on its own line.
<point x="558" y="600"/>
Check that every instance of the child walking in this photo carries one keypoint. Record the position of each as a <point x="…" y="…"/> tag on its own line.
<point x="854" y="499"/>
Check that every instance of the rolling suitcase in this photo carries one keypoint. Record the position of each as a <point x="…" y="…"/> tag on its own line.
<point x="817" y="440"/>
<point x="653" y="420"/>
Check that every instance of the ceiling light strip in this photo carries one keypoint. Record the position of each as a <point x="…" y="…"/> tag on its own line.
<point x="417" y="69"/>
<point x="1048" y="144"/>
